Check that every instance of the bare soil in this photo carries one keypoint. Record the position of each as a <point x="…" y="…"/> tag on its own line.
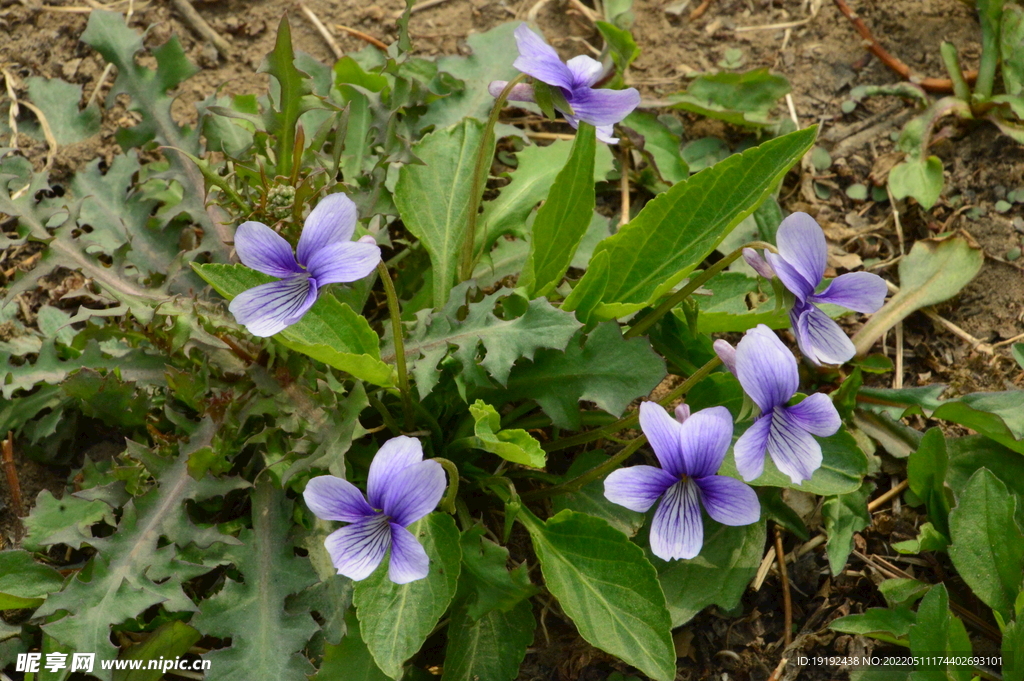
<point x="810" y="43"/>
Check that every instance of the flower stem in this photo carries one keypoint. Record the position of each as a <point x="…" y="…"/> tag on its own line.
<point x="691" y="286"/>
<point x="396" y="331"/>
<point x="483" y="158"/>
<point x="956" y="75"/>
<point x="448" y="501"/>
<point x="612" y="463"/>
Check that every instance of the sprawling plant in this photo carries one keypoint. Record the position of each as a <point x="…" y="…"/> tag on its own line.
<point x="446" y="364"/>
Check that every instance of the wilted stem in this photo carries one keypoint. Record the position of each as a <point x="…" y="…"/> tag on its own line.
<point x="691" y="286"/>
<point x="479" y="178"/>
<point x="396" y="331"/>
<point x="612" y="463"/>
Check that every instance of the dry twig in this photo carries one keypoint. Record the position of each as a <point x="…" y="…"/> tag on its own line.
<point x="362" y="36"/>
<point x="624" y="187"/>
<point x="322" y="30"/>
<point x="787" y="601"/>
<point x="198" y="24"/>
<point x="12" y="475"/>
<point x="418" y="7"/>
<point x="882" y="499"/>
<point x="944" y="85"/>
<point x="699" y="10"/>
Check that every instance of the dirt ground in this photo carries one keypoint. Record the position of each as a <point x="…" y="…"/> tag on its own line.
<point x="811" y="44"/>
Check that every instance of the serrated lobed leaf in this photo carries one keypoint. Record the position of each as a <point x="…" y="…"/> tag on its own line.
<point x="264" y="635"/>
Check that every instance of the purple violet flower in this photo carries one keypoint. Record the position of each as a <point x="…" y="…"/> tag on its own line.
<point x="690" y="453"/>
<point x="325" y="255"/>
<point x="800" y="266"/>
<point x="767" y="371"/>
<point x="602" y="108"/>
<point x="401" y="488"/>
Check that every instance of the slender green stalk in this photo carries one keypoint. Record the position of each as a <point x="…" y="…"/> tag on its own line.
<point x="382" y="409"/>
<point x="691" y="286"/>
<point x="989" y="14"/>
<point x="396" y="331"/>
<point x="448" y="501"/>
<point x="483" y="159"/>
<point x="634" y="418"/>
<point x="952" y="62"/>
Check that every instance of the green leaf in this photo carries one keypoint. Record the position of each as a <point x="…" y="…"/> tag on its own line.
<point x="169" y="641"/>
<point x="882" y="623"/>
<point x="999" y="415"/>
<point x="737" y="98"/>
<point x="252" y="612"/>
<point x="987" y="546"/>
<point x="433" y="199"/>
<point x="718" y="576"/>
<point x="918" y="178"/>
<point x="677" y="229"/>
<point x="843" y="467"/>
<point x="603" y="368"/>
<point x="505" y="340"/>
<point x="513" y="444"/>
<point x="934" y="271"/>
<point x="132" y="568"/>
<point x="926" y="472"/>
<point x="59" y="103"/>
<point x="562" y="220"/>
<point x="63" y="521"/>
<point x="662" y="144"/>
<point x="1018" y="354"/>
<point x="727" y="309"/>
<point x="1013" y="651"/>
<point x="486" y="583"/>
<point x="927" y="539"/>
<point x="938" y="632"/>
<point x="607" y="587"/>
<point x="25" y="583"/>
<point x="491" y="647"/>
<point x="621" y="45"/>
<point x="350" y="659"/>
<point x="969" y="454"/>
<point x="845" y="514"/>
<point x="590" y="498"/>
<point x="489" y="61"/>
<point x="330" y="332"/>
<point x="902" y="591"/>
<point x="1011" y="48"/>
<point x="292" y="86"/>
<point x="397" y="618"/>
<point x="529" y="184"/>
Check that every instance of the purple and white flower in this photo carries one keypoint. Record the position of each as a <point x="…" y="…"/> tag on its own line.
<point x="602" y="108"/>
<point x="325" y="255"/>
<point x="767" y="371"/>
<point x="401" y="488"/>
<point x="690" y="450"/>
<point x="800" y="266"/>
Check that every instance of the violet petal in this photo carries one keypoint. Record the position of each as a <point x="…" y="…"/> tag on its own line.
<point x="343" y="262"/>
<point x="858" y="291"/>
<point x="682" y="412"/>
<point x="332" y="221"/>
<point x="585" y="71"/>
<point x="662" y="432"/>
<point x="727" y="353"/>
<point x="357" y="549"/>
<point x="604" y="107"/>
<point x="801" y="243"/>
<point x="409" y="560"/>
<point x="637" y="487"/>
<point x="766" y="368"/>
<point x="704" y="439"/>
<point x="538" y="59"/>
<point x="729" y="501"/>
<point x="268" y="308"/>
<point x="393" y="457"/>
<point x="677" y="530"/>
<point x="331" y="498"/>
<point x="794" y="451"/>
<point x="816" y="414"/>
<point x="790" y="276"/>
<point x="520" y="92"/>
<point x="758" y="263"/>
<point x="821" y="340"/>
<point x="604" y="133"/>
<point x="264" y="250"/>
<point x="413" y="492"/>
<point x="751" y="446"/>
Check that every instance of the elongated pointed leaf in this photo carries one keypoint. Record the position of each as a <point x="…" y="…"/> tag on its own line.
<point x="608" y="588"/>
<point x="563" y="219"/>
<point x="845" y="514"/>
<point x="433" y="199"/>
<point x="397" y="618"/>
<point x="677" y="229"/>
<point x="330" y="332"/>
